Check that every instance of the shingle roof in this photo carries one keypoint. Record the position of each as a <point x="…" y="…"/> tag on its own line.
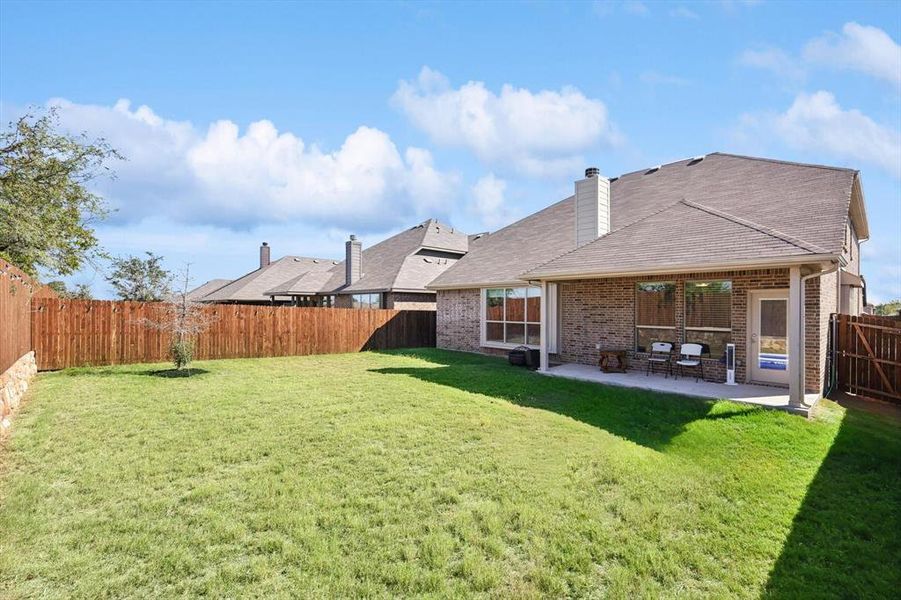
<point x="502" y="256"/>
<point x="661" y="241"/>
<point x="252" y="287"/>
<point x="392" y="264"/>
<point x="806" y="203"/>
<point x="210" y="286"/>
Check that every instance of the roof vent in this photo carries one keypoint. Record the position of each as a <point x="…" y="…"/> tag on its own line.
<point x="612" y="179"/>
<point x="652" y="170"/>
<point x="695" y="160"/>
<point x="592" y="172"/>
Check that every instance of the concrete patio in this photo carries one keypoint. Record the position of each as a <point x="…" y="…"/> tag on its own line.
<point x="761" y="395"/>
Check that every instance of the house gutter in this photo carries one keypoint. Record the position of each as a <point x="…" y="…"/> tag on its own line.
<point x="693" y="268"/>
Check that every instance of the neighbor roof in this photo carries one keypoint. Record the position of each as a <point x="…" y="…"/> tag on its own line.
<point x="392" y="264"/>
<point x="253" y="286"/>
<point x="805" y="203"/>
<point x="210" y="286"/>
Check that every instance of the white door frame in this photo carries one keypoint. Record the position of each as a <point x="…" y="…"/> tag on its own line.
<point x="754" y="298"/>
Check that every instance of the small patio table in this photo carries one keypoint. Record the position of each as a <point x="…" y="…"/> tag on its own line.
<point x="605" y="356"/>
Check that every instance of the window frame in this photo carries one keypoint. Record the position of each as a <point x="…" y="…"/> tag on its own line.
<point x="369" y="302"/>
<point x="686" y="328"/>
<point x="484" y="321"/>
<point x="671" y="328"/>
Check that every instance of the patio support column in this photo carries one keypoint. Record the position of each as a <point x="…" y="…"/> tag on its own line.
<point x="795" y="337"/>
<point x="543" y="362"/>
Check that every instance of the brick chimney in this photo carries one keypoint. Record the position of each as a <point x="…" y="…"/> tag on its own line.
<point x="592" y="206"/>
<point x="265" y="256"/>
<point x="353" y="260"/>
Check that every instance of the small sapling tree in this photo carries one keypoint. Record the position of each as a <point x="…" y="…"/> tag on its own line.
<point x="184" y="319"/>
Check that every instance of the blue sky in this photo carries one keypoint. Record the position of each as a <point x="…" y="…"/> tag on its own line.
<point x="301" y="123"/>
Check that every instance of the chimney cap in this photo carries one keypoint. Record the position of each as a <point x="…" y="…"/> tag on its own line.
<point x="353" y="238"/>
<point x="265" y="243"/>
<point x="592" y="172"/>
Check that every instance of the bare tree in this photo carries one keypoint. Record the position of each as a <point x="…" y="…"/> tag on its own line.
<point x="185" y="319"/>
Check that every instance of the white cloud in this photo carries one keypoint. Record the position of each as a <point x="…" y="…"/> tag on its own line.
<point x="881" y="264"/>
<point x="858" y="47"/>
<point x="488" y="201"/>
<point x="682" y="12"/>
<point x="238" y="179"/>
<point x="636" y="7"/>
<point x="861" y="48"/>
<point x="816" y="123"/>
<point x="775" y="60"/>
<point x="604" y="8"/>
<point x="536" y="132"/>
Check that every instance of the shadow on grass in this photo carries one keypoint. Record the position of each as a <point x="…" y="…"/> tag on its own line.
<point x="169" y="373"/>
<point x="651" y="419"/>
<point x="845" y="541"/>
<point x="118" y="371"/>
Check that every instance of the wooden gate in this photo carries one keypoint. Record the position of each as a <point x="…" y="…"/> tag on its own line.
<point x="868" y="356"/>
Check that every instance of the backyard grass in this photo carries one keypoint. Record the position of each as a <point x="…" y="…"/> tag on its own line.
<point x="438" y="474"/>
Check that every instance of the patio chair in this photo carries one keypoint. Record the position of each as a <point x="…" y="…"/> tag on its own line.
<point x="660" y="355"/>
<point x="690" y="356"/>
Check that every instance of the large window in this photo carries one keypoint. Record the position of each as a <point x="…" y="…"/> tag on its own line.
<point x="513" y="316"/>
<point x="708" y="314"/>
<point x="366" y="301"/>
<point x="655" y="314"/>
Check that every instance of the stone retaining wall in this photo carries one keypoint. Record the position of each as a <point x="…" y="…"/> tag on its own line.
<point x="13" y="384"/>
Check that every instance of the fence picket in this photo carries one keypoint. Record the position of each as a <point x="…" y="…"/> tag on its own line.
<point x="868" y="355"/>
<point x="68" y="333"/>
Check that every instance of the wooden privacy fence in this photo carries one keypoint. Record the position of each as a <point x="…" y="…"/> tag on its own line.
<point x="16" y="293"/>
<point x="70" y="333"/>
<point x="868" y="356"/>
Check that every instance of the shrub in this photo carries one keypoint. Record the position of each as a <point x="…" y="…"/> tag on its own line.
<point x="182" y="352"/>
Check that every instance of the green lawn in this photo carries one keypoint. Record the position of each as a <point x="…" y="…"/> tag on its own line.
<point x="439" y="474"/>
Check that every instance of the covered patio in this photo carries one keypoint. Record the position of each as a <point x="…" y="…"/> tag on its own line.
<point x="761" y="395"/>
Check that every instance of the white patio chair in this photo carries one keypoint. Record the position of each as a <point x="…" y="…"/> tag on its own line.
<point x="690" y="356"/>
<point x="661" y="353"/>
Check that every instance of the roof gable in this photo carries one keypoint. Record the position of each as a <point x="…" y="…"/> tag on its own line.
<point x="252" y="287"/>
<point x="387" y="265"/>
<point x="805" y="203"/>
<point x="662" y="241"/>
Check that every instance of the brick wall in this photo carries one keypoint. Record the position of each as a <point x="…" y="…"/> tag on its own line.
<point x="820" y="301"/>
<point x="602" y="310"/>
<point x="409" y="301"/>
<point x="457" y="320"/>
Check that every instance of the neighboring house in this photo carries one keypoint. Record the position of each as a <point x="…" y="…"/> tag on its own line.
<point x="252" y="288"/>
<point x="207" y="288"/>
<point x="391" y="274"/>
<point x="716" y="249"/>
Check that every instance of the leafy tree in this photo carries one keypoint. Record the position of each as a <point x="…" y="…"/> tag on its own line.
<point x="889" y="309"/>
<point x="141" y="280"/>
<point x="81" y="291"/>
<point x="46" y="207"/>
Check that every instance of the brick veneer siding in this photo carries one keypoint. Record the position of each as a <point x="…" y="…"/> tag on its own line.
<point x="821" y="300"/>
<point x="457" y="320"/>
<point x="602" y="310"/>
<point x="409" y="301"/>
<point x="396" y="300"/>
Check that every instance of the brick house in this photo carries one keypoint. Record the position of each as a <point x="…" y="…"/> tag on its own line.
<point x="390" y="274"/>
<point x="714" y="250"/>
